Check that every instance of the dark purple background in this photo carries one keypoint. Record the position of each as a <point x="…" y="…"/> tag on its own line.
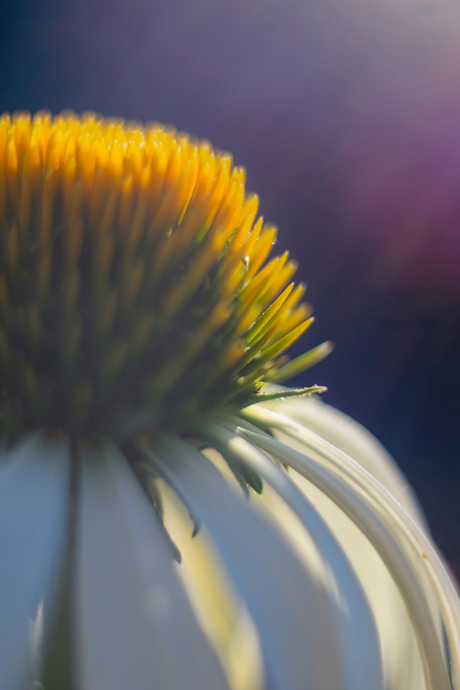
<point x="346" y="114"/>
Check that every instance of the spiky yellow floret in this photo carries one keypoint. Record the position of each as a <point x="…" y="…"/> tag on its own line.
<point x="132" y="280"/>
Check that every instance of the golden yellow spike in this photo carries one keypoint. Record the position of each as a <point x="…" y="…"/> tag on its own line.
<point x="222" y="183"/>
<point x="171" y="248"/>
<point x="24" y="207"/>
<point x="295" y="297"/>
<point x="4" y="128"/>
<point x="116" y="237"/>
<point x="284" y="275"/>
<point x="181" y="292"/>
<point x="250" y="317"/>
<point x="21" y="133"/>
<point x="252" y="239"/>
<point x="259" y="327"/>
<point x="12" y="172"/>
<point x="126" y="206"/>
<point x="231" y="205"/>
<point x="245" y="221"/>
<point x="295" y="318"/>
<point x="252" y="287"/>
<point x="261" y="250"/>
<point x="274" y="282"/>
<point x="278" y="347"/>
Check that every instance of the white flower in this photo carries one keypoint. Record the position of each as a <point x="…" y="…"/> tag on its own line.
<point x="138" y="325"/>
<point x="368" y="605"/>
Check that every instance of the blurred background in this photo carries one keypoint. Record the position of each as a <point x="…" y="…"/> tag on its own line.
<point x="346" y="115"/>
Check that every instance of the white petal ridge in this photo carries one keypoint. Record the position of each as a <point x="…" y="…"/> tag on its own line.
<point x="382" y="529"/>
<point x="356" y="457"/>
<point x="135" y="626"/>
<point x="34" y="501"/>
<point x="344" y="433"/>
<point x="358" y="642"/>
<point x="294" y="612"/>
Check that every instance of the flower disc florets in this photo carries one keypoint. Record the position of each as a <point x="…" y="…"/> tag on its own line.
<point x="133" y="283"/>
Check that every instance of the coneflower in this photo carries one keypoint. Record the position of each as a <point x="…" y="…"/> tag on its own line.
<point x="142" y="338"/>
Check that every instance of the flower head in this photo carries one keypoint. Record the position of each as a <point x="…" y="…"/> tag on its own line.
<point x="142" y="330"/>
<point x="133" y="285"/>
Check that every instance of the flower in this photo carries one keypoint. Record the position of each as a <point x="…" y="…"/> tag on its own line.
<point x="141" y="347"/>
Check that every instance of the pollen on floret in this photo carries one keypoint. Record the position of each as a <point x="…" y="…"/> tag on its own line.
<point x="134" y="282"/>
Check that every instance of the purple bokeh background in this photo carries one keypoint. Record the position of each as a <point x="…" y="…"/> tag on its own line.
<point x="346" y="115"/>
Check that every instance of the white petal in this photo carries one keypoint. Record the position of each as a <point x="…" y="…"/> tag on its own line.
<point x="294" y="610"/>
<point x="366" y="517"/>
<point x="352" y="438"/>
<point x="135" y="627"/>
<point x="403" y="665"/>
<point x="358" y="640"/>
<point x="34" y="500"/>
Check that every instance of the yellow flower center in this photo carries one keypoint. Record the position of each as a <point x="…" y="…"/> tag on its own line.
<point x="133" y="277"/>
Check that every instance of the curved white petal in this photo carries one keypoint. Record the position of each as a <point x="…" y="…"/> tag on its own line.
<point x="295" y="610"/>
<point x="365" y="515"/>
<point x="358" y="642"/>
<point x="401" y="516"/>
<point x="34" y="500"/>
<point x="135" y="626"/>
<point x="352" y="438"/>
